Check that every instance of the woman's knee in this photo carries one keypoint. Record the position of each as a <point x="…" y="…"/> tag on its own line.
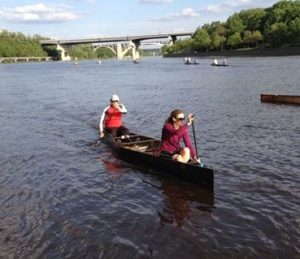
<point x="186" y="151"/>
<point x="179" y="158"/>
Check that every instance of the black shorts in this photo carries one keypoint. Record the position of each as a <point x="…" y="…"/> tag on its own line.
<point x="168" y="154"/>
<point x="117" y="132"/>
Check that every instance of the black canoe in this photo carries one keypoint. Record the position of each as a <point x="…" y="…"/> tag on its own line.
<point x="219" y="65"/>
<point x="144" y="150"/>
<point x="191" y="63"/>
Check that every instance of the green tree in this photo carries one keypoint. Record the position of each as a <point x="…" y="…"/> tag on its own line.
<point x="182" y="46"/>
<point x="202" y="40"/>
<point x="18" y="45"/>
<point x="278" y="34"/>
<point x="274" y="26"/>
<point x="234" y="40"/>
<point x="252" y="38"/>
<point x="104" y="52"/>
<point x="294" y="30"/>
<point x="253" y="19"/>
<point x="82" y="52"/>
<point x="257" y="37"/>
<point x="235" y="24"/>
<point x="167" y="49"/>
<point x="281" y="21"/>
<point x="215" y="27"/>
<point x="218" y="42"/>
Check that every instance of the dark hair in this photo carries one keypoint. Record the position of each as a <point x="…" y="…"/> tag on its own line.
<point x="173" y="114"/>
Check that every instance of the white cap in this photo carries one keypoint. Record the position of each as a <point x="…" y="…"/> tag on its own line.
<point x="114" y="97"/>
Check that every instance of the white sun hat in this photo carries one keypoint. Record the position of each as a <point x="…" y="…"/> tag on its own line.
<point x="114" y="97"/>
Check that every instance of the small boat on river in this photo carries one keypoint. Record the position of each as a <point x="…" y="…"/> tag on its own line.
<point x="195" y="62"/>
<point x="219" y="65"/>
<point x="216" y="64"/>
<point x="140" y="149"/>
<point x="189" y="61"/>
<point x="283" y="99"/>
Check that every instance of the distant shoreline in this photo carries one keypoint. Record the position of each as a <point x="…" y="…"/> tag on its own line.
<point x="266" y="52"/>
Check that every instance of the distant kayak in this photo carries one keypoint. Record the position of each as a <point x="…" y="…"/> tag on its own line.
<point x="219" y="65"/>
<point x="191" y="63"/>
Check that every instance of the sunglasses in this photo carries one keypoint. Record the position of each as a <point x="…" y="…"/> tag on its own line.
<point x="114" y="101"/>
<point x="180" y="119"/>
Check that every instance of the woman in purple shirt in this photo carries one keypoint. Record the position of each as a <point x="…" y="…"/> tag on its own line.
<point x="174" y="130"/>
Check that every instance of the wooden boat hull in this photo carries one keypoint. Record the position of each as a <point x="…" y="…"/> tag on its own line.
<point x="132" y="151"/>
<point x="284" y="99"/>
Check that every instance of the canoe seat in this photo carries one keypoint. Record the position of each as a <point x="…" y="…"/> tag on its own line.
<point x="139" y="142"/>
<point x="137" y="148"/>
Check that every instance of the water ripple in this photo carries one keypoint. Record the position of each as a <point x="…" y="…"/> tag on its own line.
<point x="63" y="196"/>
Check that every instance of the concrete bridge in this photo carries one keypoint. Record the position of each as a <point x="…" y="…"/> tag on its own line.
<point x="121" y="46"/>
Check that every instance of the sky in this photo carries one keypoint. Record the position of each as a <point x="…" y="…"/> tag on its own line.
<point x="72" y="19"/>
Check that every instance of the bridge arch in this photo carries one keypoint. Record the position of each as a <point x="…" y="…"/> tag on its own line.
<point x="126" y="50"/>
<point x="107" y="47"/>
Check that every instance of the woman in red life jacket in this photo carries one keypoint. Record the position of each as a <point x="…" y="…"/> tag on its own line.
<point x="111" y="119"/>
<point x="174" y="130"/>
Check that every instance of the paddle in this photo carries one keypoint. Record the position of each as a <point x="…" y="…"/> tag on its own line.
<point x="98" y="142"/>
<point x="196" y="149"/>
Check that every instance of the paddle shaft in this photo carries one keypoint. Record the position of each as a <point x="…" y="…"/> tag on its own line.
<point x="194" y="135"/>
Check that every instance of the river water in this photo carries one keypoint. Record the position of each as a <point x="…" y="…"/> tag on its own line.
<point x="62" y="197"/>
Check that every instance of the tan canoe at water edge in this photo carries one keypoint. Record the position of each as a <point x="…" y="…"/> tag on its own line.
<point x="284" y="99"/>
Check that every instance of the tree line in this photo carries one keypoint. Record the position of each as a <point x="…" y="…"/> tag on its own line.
<point x="85" y="51"/>
<point x="19" y="45"/>
<point x="270" y="27"/>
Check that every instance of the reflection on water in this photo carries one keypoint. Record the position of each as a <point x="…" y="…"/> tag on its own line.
<point x="112" y="167"/>
<point x="178" y="196"/>
<point x="178" y="201"/>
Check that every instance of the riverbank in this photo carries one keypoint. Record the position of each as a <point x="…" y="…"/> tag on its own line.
<point x="266" y="52"/>
<point x="25" y="59"/>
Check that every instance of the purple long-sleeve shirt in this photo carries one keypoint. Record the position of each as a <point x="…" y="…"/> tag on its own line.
<point x="170" y="138"/>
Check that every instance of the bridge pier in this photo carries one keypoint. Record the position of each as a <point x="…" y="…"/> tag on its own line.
<point x="63" y="53"/>
<point x="172" y="39"/>
<point x="135" y="49"/>
<point x="123" y="50"/>
<point x="119" y="51"/>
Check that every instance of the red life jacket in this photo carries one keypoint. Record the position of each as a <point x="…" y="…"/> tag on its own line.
<point x="113" y="118"/>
